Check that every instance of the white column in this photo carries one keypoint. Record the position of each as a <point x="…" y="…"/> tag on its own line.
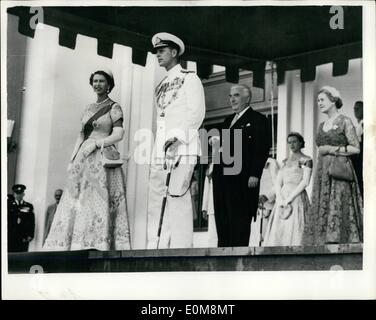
<point x="34" y="146"/>
<point x="284" y="101"/>
<point x="123" y="56"/>
<point x="295" y="102"/>
<point x="141" y="117"/>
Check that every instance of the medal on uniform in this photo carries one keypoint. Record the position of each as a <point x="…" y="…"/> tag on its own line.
<point x="173" y="86"/>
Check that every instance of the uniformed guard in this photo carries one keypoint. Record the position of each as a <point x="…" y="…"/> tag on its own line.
<point x="21" y="221"/>
<point x="180" y="106"/>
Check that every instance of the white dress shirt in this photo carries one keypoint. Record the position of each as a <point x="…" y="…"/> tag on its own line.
<point x="238" y="116"/>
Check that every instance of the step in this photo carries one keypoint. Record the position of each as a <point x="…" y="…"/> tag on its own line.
<point x="326" y="257"/>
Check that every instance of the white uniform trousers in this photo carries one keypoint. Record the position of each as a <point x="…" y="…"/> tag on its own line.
<point x="177" y="227"/>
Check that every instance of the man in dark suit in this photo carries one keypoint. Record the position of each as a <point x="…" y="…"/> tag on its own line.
<point x="236" y="193"/>
<point x="21" y="221"/>
<point x="50" y="213"/>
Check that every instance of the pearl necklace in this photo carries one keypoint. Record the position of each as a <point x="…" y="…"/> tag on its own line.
<point x="99" y="103"/>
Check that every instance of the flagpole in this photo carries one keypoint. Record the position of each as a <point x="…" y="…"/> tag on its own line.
<point x="272" y="106"/>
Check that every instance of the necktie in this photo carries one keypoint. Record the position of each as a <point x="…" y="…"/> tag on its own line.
<point x="234" y="120"/>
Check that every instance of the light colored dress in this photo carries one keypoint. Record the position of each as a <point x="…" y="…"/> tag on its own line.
<point x="289" y="232"/>
<point x="336" y="213"/>
<point x="208" y="206"/>
<point x="92" y="213"/>
<point x="259" y="226"/>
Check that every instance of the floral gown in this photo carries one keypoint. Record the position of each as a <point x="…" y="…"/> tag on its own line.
<point x="289" y="232"/>
<point x="336" y="213"/>
<point x="92" y="213"/>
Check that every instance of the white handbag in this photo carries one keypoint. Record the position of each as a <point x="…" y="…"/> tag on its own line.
<point x="111" y="157"/>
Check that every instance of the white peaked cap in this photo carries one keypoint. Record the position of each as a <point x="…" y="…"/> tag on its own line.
<point x="164" y="39"/>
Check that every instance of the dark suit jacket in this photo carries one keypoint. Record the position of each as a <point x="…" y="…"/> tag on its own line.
<point x="256" y="141"/>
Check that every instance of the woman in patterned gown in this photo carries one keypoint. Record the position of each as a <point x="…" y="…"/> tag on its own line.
<point x="92" y="213"/>
<point x="286" y="223"/>
<point x="336" y="213"/>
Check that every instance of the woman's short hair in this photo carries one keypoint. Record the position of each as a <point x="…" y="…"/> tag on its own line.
<point x="298" y="136"/>
<point x="108" y="77"/>
<point x="333" y="95"/>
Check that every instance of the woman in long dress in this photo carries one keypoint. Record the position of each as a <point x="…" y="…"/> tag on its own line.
<point x="92" y="213"/>
<point x="336" y="212"/>
<point x="286" y="223"/>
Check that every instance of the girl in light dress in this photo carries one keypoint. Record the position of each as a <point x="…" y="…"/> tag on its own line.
<point x="286" y="222"/>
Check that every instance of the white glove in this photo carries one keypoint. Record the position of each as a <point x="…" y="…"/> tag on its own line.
<point x="88" y="149"/>
<point x="70" y="166"/>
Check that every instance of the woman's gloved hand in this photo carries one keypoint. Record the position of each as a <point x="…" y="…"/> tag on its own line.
<point x="88" y="149"/>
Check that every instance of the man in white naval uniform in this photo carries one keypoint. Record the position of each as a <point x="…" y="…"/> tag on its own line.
<point x="180" y="106"/>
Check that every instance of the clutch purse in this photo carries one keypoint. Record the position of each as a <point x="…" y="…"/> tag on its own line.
<point x="340" y="168"/>
<point x="285" y="212"/>
<point x="111" y="157"/>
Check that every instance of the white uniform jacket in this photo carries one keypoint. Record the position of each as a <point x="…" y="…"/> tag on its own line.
<point x="180" y="103"/>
